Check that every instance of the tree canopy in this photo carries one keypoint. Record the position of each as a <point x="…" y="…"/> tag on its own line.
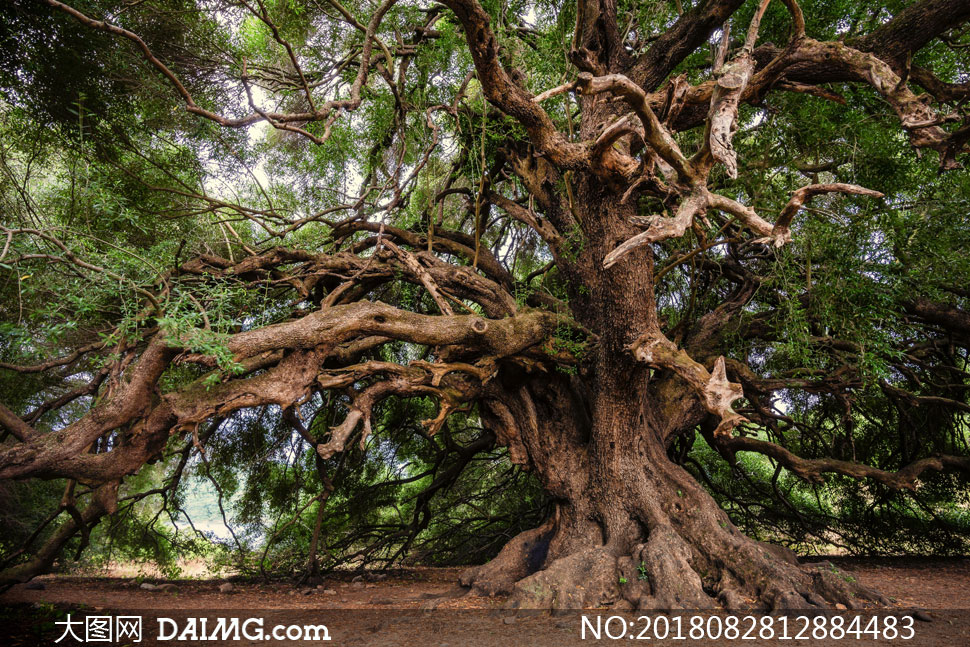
<point x="598" y="282"/>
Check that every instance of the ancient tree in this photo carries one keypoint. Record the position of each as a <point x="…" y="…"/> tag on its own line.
<point x="604" y="229"/>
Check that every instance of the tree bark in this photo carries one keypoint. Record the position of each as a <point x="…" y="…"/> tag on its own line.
<point x="634" y="530"/>
<point x="631" y="528"/>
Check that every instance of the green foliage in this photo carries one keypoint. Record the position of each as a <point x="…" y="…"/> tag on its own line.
<point x="841" y="514"/>
<point x="642" y="572"/>
<point x="387" y="499"/>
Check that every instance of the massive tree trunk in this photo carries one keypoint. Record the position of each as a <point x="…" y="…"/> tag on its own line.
<point x="631" y="527"/>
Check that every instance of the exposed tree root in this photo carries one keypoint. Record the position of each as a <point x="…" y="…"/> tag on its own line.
<point x="521" y="556"/>
<point x="582" y="580"/>
<point x="664" y="564"/>
<point x="668" y="571"/>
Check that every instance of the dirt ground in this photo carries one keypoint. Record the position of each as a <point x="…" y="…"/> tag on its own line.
<point x="425" y="607"/>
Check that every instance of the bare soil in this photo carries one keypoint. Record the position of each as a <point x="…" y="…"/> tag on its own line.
<point x="425" y="607"/>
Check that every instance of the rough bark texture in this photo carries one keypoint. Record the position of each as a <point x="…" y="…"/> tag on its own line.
<point x="631" y="529"/>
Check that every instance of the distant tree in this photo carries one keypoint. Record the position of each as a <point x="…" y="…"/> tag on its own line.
<point x="619" y="237"/>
